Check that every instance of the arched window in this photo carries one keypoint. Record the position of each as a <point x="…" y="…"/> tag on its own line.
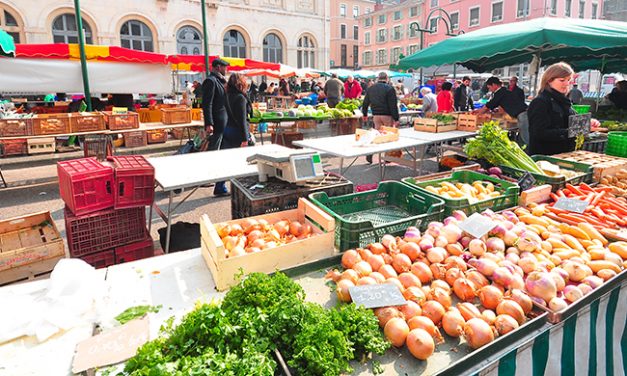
<point x="136" y="35"/>
<point x="234" y="44"/>
<point x="10" y="24"/>
<point x="188" y="39"/>
<point x="272" y="49"/>
<point x="64" y="30"/>
<point x="306" y="52"/>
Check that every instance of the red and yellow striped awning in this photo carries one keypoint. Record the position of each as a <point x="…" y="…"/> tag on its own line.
<point x="196" y="63"/>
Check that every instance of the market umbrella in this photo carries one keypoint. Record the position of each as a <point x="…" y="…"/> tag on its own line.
<point x="7" y="46"/>
<point x="549" y="39"/>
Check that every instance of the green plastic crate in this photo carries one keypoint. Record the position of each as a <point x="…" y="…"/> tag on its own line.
<point x="581" y="108"/>
<point x="363" y="218"/>
<point x="507" y="200"/>
<point x="616" y="144"/>
<point x="556" y="182"/>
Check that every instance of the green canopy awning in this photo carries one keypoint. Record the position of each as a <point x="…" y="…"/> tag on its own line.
<point x="551" y="39"/>
<point x="7" y="46"/>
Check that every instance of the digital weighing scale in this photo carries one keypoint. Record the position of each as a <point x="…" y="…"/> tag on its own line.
<point x="292" y="166"/>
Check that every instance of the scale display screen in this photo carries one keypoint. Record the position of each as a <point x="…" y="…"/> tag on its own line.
<point x="304" y="167"/>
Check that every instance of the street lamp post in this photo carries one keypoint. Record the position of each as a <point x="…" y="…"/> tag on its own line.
<point x="204" y="36"/>
<point x="81" y="48"/>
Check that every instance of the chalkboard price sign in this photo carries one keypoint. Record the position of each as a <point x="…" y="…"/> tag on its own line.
<point x="375" y="296"/>
<point x="571" y="204"/>
<point x="579" y="124"/>
<point x="477" y="225"/>
<point x="526" y="181"/>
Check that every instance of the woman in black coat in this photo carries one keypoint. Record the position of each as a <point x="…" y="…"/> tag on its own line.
<point x="549" y="112"/>
<point x="239" y="108"/>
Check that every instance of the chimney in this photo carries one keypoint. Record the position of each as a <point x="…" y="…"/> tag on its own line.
<point x="378" y="5"/>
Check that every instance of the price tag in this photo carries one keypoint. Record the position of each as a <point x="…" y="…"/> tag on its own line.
<point x="119" y="110"/>
<point x="374" y="296"/>
<point x="526" y="181"/>
<point x="571" y="204"/>
<point x="477" y="225"/>
<point x="579" y="124"/>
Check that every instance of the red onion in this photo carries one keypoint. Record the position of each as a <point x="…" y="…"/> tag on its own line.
<point x="412" y="234"/>
<point x="425" y="244"/>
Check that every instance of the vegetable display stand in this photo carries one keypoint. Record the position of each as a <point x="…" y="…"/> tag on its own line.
<point x="176" y="115"/>
<point x="388" y="134"/>
<point x="51" y="124"/>
<point x="98" y="146"/>
<point x="602" y="164"/>
<point x="134" y="181"/>
<point x="248" y="198"/>
<point x="29" y="246"/>
<point x="556" y="182"/>
<point x="225" y="270"/>
<point x="135" y="139"/>
<point x="116" y="122"/>
<point x="41" y="145"/>
<point x="507" y="199"/>
<point x="13" y="147"/>
<point x="469" y="122"/>
<point x="16" y="127"/>
<point x="433" y="125"/>
<point x="135" y="251"/>
<point x="363" y="218"/>
<point x="85" y="185"/>
<point x="157" y="136"/>
<point x="87" y="122"/>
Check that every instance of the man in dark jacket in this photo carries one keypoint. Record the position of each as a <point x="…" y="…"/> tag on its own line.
<point x="463" y="96"/>
<point x="512" y="104"/>
<point x="515" y="89"/>
<point x="382" y="98"/>
<point x="214" y="110"/>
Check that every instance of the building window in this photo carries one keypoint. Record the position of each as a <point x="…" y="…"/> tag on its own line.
<point x="342" y="10"/>
<point x="367" y="38"/>
<point x="306" y="52"/>
<point x="137" y="36"/>
<point x="355" y="56"/>
<point x="234" y="44"/>
<point x="64" y="29"/>
<point x="412" y="49"/>
<point x="413" y="11"/>
<point x="368" y="22"/>
<point x="522" y="10"/>
<point x="381" y="57"/>
<point x="594" y="11"/>
<point x="343" y="59"/>
<point x="582" y="9"/>
<point x="412" y="31"/>
<point x="568" y="7"/>
<point x="382" y="19"/>
<point x="455" y="21"/>
<point x="434" y="3"/>
<point x="367" y="58"/>
<point x="272" y="49"/>
<point x="553" y="9"/>
<point x="433" y="25"/>
<point x="343" y="31"/>
<point x="397" y="15"/>
<point x="10" y="24"/>
<point x="497" y="11"/>
<point x="356" y="11"/>
<point x="397" y="32"/>
<point x="188" y="41"/>
<point x="474" y="16"/>
<point x="381" y="35"/>
<point x="356" y="32"/>
<point x="395" y="54"/>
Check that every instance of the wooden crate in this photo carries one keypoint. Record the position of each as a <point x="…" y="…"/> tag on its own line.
<point x="603" y="165"/>
<point x="41" y="145"/>
<point x="48" y="124"/>
<point x="468" y="122"/>
<point x="197" y="114"/>
<point x="225" y="270"/>
<point x="16" y="127"/>
<point x="504" y="120"/>
<point x="87" y="122"/>
<point x="182" y="133"/>
<point x="122" y="121"/>
<point x="177" y="115"/>
<point x="157" y="136"/>
<point x="135" y="139"/>
<point x="13" y="147"/>
<point x="391" y="135"/>
<point x="433" y="125"/>
<point x="29" y="245"/>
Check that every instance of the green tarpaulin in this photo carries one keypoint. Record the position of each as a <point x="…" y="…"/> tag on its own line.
<point x="551" y="39"/>
<point x="7" y="46"/>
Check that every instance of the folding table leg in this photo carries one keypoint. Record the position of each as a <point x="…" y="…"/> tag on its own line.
<point x="169" y="223"/>
<point x="4" y="182"/>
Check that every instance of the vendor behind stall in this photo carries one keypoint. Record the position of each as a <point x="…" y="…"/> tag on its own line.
<point x="511" y="103"/>
<point x="549" y="113"/>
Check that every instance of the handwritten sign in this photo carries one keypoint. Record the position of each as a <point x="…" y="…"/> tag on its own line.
<point x="526" y="181"/>
<point x="579" y="124"/>
<point x="119" y="110"/>
<point x="374" y="296"/>
<point x="477" y="225"/>
<point x="571" y="204"/>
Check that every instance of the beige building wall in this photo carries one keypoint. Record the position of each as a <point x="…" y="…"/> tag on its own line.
<point x="254" y="19"/>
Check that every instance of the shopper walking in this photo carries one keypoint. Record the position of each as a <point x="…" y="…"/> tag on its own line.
<point x="382" y="98"/>
<point x="429" y="101"/>
<point x="333" y="90"/>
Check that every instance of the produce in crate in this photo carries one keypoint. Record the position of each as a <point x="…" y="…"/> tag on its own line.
<point x="477" y="191"/>
<point x="550" y="169"/>
<point x="617" y="183"/>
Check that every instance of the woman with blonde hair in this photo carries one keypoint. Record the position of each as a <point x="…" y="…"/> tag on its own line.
<point x="549" y="113"/>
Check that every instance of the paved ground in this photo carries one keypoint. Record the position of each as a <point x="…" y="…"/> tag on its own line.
<point x="33" y="187"/>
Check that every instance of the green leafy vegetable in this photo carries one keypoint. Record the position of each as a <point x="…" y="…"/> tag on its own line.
<point x="135" y="312"/>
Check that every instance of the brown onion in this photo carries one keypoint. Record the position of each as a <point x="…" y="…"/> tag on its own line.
<point x="453" y="323"/>
<point x="408" y="279"/>
<point x="490" y="296"/>
<point x="522" y="299"/>
<point x="477" y="278"/>
<point x="401" y="263"/>
<point x="441" y="284"/>
<point x="438" y="271"/>
<point x="236" y="229"/>
<point x="396" y="331"/>
<point x="388" y="271"/>
<point x="377" y="248"/>
<point x="420" y="344"/>
<point x="455" y="262"/>
<point x="296" y="228"/>
<point x="377" y="277"/>
<point x="412" y="250"/>
<point x="426" y="324"/>
<point x="441" y="296"/>
<point x="452" y="275"/>
<point x="436" y="254"/>
<point x="505" y="324"/>
<point x="465" y="289"/>
<point x="410" y="309"/>
<point x="510" y="307"/>
<point x="477" y="333"/>
<point x="385" y="314"/>
<point x="422" y="271"/>
<point x="414" y="294"/>
<point x="468" y="311"/>
<point x="333" y="275"/>
<point x="363" y="268"/>
<point x="488" y="316"/>
<point x="396" y="282"/>
<point x="433" y="310"/>
<point x="350" y="274"/>
<point x="376" y="261"/>
<point x="350" y="258"/>
<point x="342" y="290"/>
<point x="366" y="281"/>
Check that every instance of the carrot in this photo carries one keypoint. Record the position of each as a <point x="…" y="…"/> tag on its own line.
<point x="560" y="193"/>
<point x="584" y="187"/>
<point x="597" y="198"/>
<point x="567" y="192"/>
<point x="555" y="210"/>
<point x="621" y="209"/>
<point x="589" y="197"/>
<point x="571" y="217"/>
<point x="574" y="189"/>
<point x="554" y="197"/>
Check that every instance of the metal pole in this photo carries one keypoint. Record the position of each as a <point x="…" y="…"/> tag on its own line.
<point x="81" y="48"/>
<point x="204" y="36"/>
<point x="421" y="46"/>
<point x="454" y="71"/>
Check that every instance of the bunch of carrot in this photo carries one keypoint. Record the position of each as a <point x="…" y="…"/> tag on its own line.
<point x="604" y="209"/>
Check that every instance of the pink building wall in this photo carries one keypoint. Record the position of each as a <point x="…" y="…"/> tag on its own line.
<point x="358" y="7"/>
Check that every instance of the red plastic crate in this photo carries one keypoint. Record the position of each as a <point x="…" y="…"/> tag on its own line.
<point x="134" y="181"/>
<point x="100" y="259"/>
<point x="135" y="251"/>
<point x="85" y="185"/>
<point x="104" y="230"/>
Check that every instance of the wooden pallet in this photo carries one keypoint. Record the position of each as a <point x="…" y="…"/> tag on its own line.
<point x="603" y="165"/>
<point x="225" y="270"/>
<point x="468" y="122"/>
<point x="30" y="272"/>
